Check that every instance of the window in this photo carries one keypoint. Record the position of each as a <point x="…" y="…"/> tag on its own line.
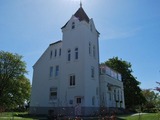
<point x="115" y="95"/>
<point x="94" y="51"/>
<point x="55" y="53"/>
<point x="73" y="25"/>
<point x="72" y="80"/>
<point x="93" y="100"/>
<point x="53" y="94"/>
<point x="51" y="54"/>
<point x="57" y="70"/>
<point x="79" y="100"/>
<point x="89" y="48"/>
<point x="51" y="72"/>
<point x="60" y="52"/>
<point x="69" y="55"/>
<point x="92" y="72"/>
<point x="76" y="53"/>
<point x="110" y="96"/>
<point x="118" y="95"/>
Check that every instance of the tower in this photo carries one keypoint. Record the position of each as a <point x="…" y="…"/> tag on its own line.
<point x="81" y="63"/>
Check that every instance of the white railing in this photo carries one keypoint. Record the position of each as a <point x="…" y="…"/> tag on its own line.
<point x="108" y="71"/>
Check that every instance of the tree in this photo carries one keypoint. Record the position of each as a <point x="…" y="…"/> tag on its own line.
<point x="152" y="98"/>
<point x="158" y="88"/>
<point x="14" y="86"/>
<point x="132" y="91"/>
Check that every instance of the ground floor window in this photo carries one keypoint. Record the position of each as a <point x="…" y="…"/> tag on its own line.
<point x="53" y="94"/>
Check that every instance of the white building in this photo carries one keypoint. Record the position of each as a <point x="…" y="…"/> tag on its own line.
<point x="66" y="78"/>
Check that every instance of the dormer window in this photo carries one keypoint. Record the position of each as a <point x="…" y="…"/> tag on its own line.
<point x="73" y="25"/>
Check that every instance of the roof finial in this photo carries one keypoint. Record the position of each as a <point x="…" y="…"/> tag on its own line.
<point x="80" y="3"/>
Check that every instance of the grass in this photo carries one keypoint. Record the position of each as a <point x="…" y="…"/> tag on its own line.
<point x="18" y="116"/>
<point x="148" y="116"/>
<point x="25" y="116"/>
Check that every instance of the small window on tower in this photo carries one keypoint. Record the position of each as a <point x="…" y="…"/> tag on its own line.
<point x="69" y="55"/>
<point x="60" y="52"/>
<point x="51" y="54"/>
<point x="92" y="72"/>
<point x="72" y="80"/>
<point x="89" y="48"/>
<point x="55" y="53"/>
<point x="73" y="25"/>
<point x="51" y="71"/>
<point x="76" y="53"/>
<point x="57" y="70"/>
<point x="94" y="51"/>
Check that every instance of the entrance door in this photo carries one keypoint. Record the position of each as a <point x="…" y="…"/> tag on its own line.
<point x="78" y="106"/>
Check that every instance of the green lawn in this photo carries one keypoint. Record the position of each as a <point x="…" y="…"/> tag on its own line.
<point x="148" y="116"/>
<point x="18" y="116"/>
<point x="25" y="116"/>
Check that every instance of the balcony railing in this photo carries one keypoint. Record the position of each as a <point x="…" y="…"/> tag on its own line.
<point x="105" y="70"/>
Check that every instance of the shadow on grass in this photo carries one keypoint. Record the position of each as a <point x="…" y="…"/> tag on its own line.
<point x="39" y="117"/>
<point x="121" y="119"/>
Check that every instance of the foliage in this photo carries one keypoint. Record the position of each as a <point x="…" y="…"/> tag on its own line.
<point x="158" y="88"/>
<point x="132" y="91"/>
<point x="152" y="99"/>
<point x="14" y="86"/>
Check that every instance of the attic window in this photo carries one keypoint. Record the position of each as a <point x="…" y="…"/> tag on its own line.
<point x="73" y="25"/>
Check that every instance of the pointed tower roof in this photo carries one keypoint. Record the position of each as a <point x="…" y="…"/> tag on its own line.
<point x="80" y="14"/>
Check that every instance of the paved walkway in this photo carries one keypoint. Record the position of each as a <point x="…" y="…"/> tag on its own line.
<point x="138" y="114"/>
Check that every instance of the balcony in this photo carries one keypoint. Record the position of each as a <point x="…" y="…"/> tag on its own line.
<point x="105" y="70"/>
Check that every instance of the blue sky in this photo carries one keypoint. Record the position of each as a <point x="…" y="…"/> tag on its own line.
<point x="129" y="29"/>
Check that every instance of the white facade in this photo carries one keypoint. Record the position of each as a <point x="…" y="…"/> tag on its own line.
<point x="66" y="77"/>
